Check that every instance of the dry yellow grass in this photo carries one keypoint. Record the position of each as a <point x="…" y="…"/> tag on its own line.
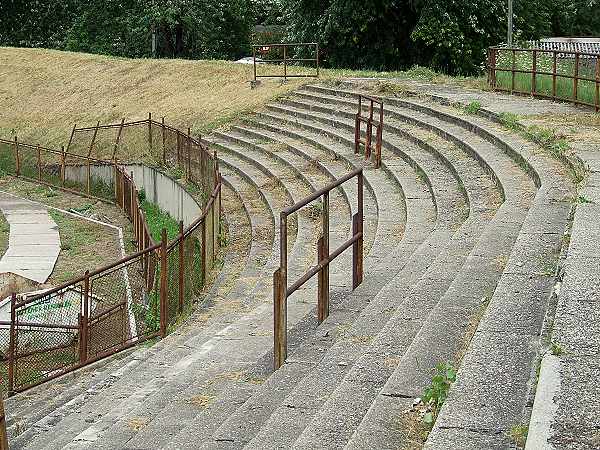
<point x="44" y="92"/>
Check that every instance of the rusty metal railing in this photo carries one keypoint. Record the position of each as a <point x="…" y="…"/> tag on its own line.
<point x="370" y="122"/>
<point x="552" y="74"/>
<point x="282" y="57"/>
<point x="281" y="290"/>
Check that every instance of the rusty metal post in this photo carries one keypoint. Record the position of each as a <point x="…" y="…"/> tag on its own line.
<point x="534" y="73"/>
<point x="554" y="75"/>
<point x="357" y="126"/>
<point x="514" y="57"/>
<point x="163" y="284"/>
<point x="12" y="344"/>
<point x="369" y="139"/>
<point x="317" y="58"/>
<point x="188" y="167"/>
<point x="116" y="180"/>
<point x="62" y="166"/>
<point x="39" y="162"/>
<point x="203" y="252"/>
<point x="150" y="133"/>
<point x="118" y="139"/>
<point x="84" y="330"/>
<point x="254" y="59"/>
<point x="3" y="434"/>
<point x="164" y="147"/>
<point x="357" y="247"/>
<point x="576" y="78"/>
<point x="280" y="299"/>
<point x="379" y="137"/>
<point x="597" y="93"/>
<point x="17" y="160"/>
<point x="178" y="150"/>
<point x="494" y="78"/>
<point x="131" y="198"/>
<point x="181" y="266"/>
<point x="323" y="254"/>
<point x="279" y="322"/>
<point x="284" y="62"/>
<point x="71" y="138"/>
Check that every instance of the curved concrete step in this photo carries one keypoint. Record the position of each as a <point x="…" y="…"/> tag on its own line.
<point x="179" y="345"/>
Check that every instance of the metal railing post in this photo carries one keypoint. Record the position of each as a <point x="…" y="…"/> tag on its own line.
<point x="150" y="132"/>
<point x="62" y="166"/>
<point x="533" y="73"/>
<point x="285" y="62"/>
<point x="554" y="75"/>
<point x="17" y="159"/>
<point x="39" y="162"/>
<point x="164" y="152"/>
<point x="597" y="93"/>
<point x="323" y="254"/>
<point x="514" y="57"/>
<point x="254" y="59"/>
<point x="181" y="266"/>
<point x="12" y="345"/>
<point x="279" y="322"/>
<point x="357" y="126"/>
<point x="203" y="252"/>
<point x="317" y="58"/>
<point x="3" y="434"/>
<point x="163" y="284"/>
<point x="357" y="227"/>
<point x="576" y="78"/>
<point x="83" y="337"/>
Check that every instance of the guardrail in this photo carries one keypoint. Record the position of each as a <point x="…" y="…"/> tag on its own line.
<point x="370" y="122"/>
<point x="281" y="291"/>
<point x="553" y="74"/>
<point x="279" y="54"/>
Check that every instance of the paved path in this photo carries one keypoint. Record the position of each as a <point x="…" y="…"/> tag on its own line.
<point x="34" y="242"/>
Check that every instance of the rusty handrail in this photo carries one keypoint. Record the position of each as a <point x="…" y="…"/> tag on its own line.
<point x="493" y="69"/>
<point x="285" y="60"/>
<point x="370" y="122"/>
<point x="281" y="291"/>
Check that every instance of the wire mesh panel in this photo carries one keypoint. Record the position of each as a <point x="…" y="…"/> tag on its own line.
<point x="47" y="336"/>
<point x="4" y="355"/>
<point x="8" y="161"/>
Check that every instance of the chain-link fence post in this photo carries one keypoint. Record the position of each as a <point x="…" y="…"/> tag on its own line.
<point x="163" y="284"/>
<point x="12" y="344"/>
<point x="150" y="133"/>
<point x="181" y="266"/>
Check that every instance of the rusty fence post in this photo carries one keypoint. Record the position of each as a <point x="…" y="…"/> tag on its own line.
<point x="12" y="344"/>
<point x="280" y="297"/>
<point x="514" y="58"/>
<point x="494" y="77"/>
<point x="254" y="60"/>
<point x="164" y="147"/>
<point x="379" y="138"/>
<point x="357" y="126"/>
<point x="181" y="266"/>
<point x="163" y="284"/>
<point x="150" y="133"/>
<point x="576" y="78"/>
<point x="357" y="227"/>
<point x="203" y="251"/>
<point x="178" y="150"/>
<point x="84" y="321"/>
<point x="317" y="58"/>
<point x="279" y="320"/>
<point x="39" y="162"/>
<point x="3" y="434"/>
<point x="284" y="62"/>
<point x="116" y="180"/>
<point x="323" y="254"/>
<point x="62" y="166"/>
<point x="534" y="73"/>
<point x="597" y="93"/>
<point x="118" y="139"/>
<point x="17" y="159"/>
<point x="188" y="168"/>
<point x="554" y="57"/>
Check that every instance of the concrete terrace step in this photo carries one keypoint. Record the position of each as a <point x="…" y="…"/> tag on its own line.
<point x="46" y="404"/>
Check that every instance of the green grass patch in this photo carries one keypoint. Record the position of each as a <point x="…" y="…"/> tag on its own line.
<point x="157" y="220"/>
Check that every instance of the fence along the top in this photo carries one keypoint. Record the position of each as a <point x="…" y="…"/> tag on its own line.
<point x="280" y="54"/>
<point x="553" y="74"/>
<point x="281" y="291"/>
<point x="111" y="308"/>
<point x="586" y="45"/>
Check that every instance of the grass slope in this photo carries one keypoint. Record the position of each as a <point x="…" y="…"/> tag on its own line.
<point x="44" y="92"/>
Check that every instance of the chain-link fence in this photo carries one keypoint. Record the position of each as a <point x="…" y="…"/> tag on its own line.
<point x="131" y="300"/>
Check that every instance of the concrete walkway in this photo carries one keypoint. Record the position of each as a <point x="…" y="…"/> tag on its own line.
<point x="34" y="242"/>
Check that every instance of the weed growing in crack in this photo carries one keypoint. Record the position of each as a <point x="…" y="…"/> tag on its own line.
<point x="582" y="199"/>
<point x="518" y="434"/>
<point x="473" y="108"/>
<point x="556" y="349"/>
<point x="436" y="394"/>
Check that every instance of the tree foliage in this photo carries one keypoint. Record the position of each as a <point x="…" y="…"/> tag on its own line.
<point x="447" y="35"/>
